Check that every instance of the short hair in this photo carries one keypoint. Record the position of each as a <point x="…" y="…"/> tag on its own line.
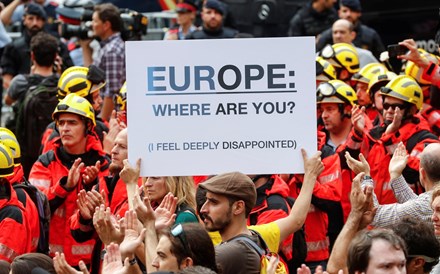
<point x="5" y="267"/>
<point x="201" y="249"/>
<point x="417" y="236"/>
<point x="197" y="269"/>
<point x="45" y="48"/>
<point x="27" y="262"/>
<point x="430" y="163"/>
<point x="109" y="12"/>
<point x="359" y="249"/>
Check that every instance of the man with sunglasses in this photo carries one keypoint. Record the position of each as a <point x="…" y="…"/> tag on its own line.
<point x="402" y="100"/>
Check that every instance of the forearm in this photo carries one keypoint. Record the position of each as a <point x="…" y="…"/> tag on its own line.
<point x="7" y="12"/>
<point x="338" y="256"/>
<point x="150" y="245"/>
<point x="300" y="209"/>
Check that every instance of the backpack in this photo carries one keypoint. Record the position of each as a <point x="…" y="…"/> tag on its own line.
<point x="42" y="203"/>
<point x="34" y="115"/>
<point x="263" y="252"/>
<point x="31" y="80"/>
<point x="299" y="244"/>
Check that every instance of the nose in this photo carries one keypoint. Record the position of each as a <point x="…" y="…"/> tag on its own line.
<point x="148" y="183"/>
<point x="155" y="263"/>
<point x="204" y="208"/>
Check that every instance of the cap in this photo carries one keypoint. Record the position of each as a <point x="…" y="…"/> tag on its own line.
<point x="186" y="6"/>
<point x="35" y="9"/>
<point x="354" y="5"/>
<point x="215" y="5"/>
<point x="233" y="184"/>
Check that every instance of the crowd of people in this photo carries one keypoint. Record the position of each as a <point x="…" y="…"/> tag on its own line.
<point x="70" y="202"/>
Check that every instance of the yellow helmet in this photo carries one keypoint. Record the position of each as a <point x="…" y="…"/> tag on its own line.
<point x="80" y="80"/>
<point x="342" y="55"/>
<point x="6" y="161"/>
<point x="121" y="98"/>
<point x="404" y="88"/>
<point x="324" y="70"/>
<point x="76" y="105"/>
<point x="368" y="71"/>
<point x="380" y="80"/>
<point x="415" y="72"/>
<point x="336" y="91"/>
<point x="8" y="139"/>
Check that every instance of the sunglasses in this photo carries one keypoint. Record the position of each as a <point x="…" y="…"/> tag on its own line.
<point x="386" y="106"/>
<point x="178" y="232"/>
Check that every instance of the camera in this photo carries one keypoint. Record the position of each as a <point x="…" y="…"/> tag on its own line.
<point x="76" y="21"/>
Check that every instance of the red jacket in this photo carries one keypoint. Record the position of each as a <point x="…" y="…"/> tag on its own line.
<point x="264" y="212"/>
<point x="15" y="236"/>
<point x="432" y="115"/>
<point x="381" y="152"/>
<point x="118" y="203"/>
<point x="30" y="210"/>
<point x="50" y="173"/>
<point x="325" y="200"/>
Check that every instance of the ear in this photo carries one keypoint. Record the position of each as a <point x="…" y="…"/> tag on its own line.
<point x="353" y="35"/>
<point x="415" y="265"/>
<point x="344" y="75"/>
<point x="187" y="262"/>
<point x="107" y="25"/>
<point x="238" y="207"/>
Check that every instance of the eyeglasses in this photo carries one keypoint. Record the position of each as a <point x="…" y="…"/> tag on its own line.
<point x="178" y="232"/>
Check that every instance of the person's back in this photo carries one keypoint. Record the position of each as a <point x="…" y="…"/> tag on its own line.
<point x="312" y="19"/>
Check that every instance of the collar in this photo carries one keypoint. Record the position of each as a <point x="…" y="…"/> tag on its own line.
<point x="111" y="38"/>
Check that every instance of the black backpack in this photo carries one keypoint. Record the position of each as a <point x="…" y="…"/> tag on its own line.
<point x="42" y="203"/>
<point x="299" y="244"/>
<point x="34" y="115"/>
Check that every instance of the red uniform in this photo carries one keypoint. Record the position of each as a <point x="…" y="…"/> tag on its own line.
<point x="414" y="134"/>
<point x="15" y="236"/>
<point x="50" y="173"/>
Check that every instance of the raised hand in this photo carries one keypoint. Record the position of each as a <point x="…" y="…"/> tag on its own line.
<point x="132" y="239"/>
<point x="91" y="173"/>
<point x="74" y="175"/>
<point x="106" y="226"/>
<point x="165" y="212"/>
<point x="129" y="174"/>
<point x="358" y="118"/>
<point x="62" y="267"/>
<point x="398" y="161"/>
<point x="358" y="166"/>
<point x="113" y="261"/>
<point x="312" y="165"/>
<point x="397" y="121"/>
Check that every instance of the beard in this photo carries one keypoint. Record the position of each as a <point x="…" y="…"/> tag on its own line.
<point x="218" y="225"/>
<point x="114" y="168"/>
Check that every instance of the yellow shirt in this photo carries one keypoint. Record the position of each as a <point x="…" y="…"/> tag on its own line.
<point x="269" y="232"/>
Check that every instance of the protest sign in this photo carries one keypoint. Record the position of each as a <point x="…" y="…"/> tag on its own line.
<point x="205" y="107"/>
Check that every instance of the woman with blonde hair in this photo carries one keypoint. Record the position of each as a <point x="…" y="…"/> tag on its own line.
<point x="182" y="187"/>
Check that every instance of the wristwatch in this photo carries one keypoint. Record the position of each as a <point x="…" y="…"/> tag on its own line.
<point x="367" y="177"/>
<point x="132" y="261"/>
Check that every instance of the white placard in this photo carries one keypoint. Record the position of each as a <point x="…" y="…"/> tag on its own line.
<point x="205" y="107"/>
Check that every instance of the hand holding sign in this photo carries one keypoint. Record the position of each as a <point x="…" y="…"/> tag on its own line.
<point x="130" y="177"/>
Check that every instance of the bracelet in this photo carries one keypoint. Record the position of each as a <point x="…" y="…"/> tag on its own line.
<point x="132" y="261"/>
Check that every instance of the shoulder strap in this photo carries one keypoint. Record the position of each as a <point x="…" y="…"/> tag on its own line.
<point x="418" y="137"/>
<point x="245" y="239"/>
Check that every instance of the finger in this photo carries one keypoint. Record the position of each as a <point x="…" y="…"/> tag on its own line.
<point x="138" y="164"/>
<point x="83" y="267"/>
<point x="356" y="181"/>
<point x="98" y="165"/>
<point x="362" y="158"/>
<point x="304" y="154"/>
